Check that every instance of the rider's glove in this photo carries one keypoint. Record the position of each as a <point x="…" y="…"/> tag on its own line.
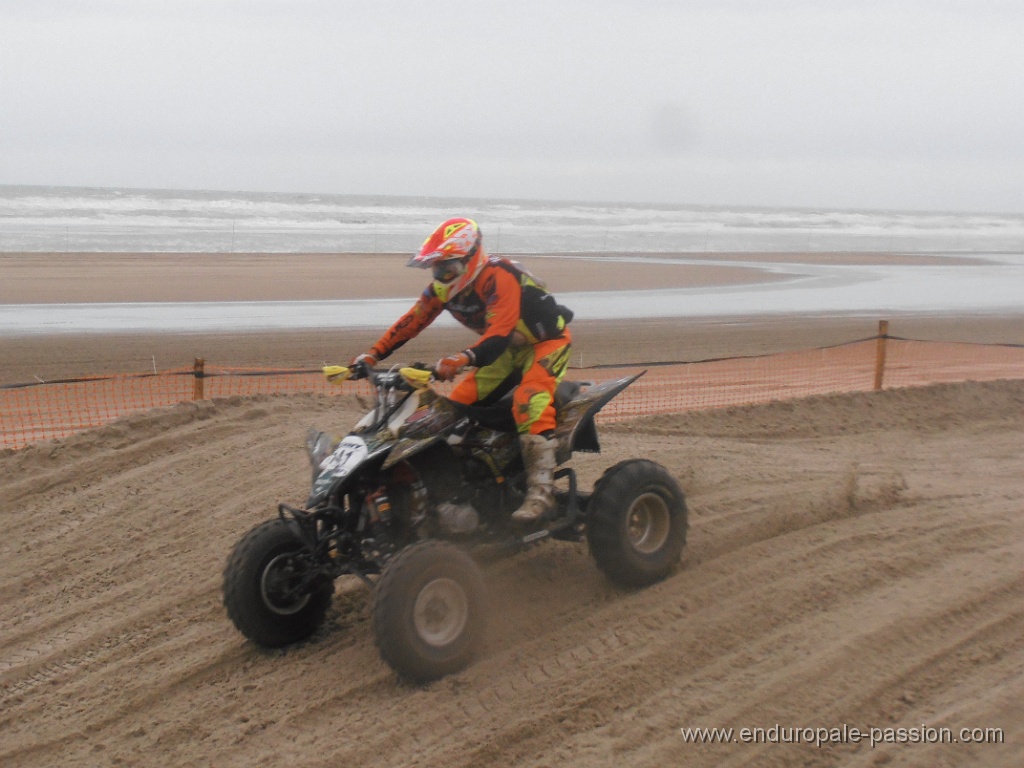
<point x="447" y="368"/>
<point x="361" y="365"/>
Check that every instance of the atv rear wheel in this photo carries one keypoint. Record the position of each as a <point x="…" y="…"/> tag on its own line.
<point x="263" y="591"/>
<point x="428" y="611"/>
<point x="636" y="523"/>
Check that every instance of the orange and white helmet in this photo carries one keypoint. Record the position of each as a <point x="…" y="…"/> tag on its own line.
<point x="454" y="251"/>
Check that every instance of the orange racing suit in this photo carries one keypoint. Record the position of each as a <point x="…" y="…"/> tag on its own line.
<point x="524" y="340"/>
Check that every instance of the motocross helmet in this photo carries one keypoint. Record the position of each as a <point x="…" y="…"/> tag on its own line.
<point x="455" y="254"/>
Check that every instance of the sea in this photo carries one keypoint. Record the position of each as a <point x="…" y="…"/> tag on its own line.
<point x="81" y="219"/>
<point x="133" y="220"/>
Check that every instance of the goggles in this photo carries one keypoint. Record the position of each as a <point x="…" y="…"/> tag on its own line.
<point x="447" y="270"/>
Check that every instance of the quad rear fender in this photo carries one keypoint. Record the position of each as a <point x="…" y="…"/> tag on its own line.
<point x="576" y="430"/>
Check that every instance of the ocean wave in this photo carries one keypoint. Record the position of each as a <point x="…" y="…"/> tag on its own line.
<point x="122" y="220"/>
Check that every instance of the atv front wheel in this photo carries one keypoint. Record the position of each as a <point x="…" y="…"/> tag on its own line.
<point x="267" y="591"/>
<point x="428" y="611"/>
<point x="636" y="523"/>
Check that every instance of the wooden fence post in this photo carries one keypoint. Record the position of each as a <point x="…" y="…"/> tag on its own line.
<point x="197" y="380"/>
<point x="883" y="334"/>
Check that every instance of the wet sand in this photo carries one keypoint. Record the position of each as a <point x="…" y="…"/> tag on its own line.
<point x="34" y="278"/>
<point x="75" y="278"/>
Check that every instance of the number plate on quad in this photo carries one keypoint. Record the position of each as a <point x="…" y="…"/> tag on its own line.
<point x="349" y="454"/>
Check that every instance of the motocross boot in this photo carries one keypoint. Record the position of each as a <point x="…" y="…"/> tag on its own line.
<point x="539" y="460"/>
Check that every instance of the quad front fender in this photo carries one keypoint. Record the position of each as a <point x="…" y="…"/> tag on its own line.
<point x="351" y="458"/>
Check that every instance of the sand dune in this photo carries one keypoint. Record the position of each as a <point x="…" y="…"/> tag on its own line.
<point x="854" y="560"/>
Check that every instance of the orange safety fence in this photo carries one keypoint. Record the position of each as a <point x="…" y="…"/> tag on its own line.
<point x="37" y="411"/>
<point x="850" y="367"/>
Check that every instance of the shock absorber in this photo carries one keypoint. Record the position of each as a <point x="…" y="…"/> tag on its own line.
<point x="379" y="506"/>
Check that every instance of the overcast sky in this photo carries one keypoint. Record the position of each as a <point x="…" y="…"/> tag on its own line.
<point x="916" y="104"/>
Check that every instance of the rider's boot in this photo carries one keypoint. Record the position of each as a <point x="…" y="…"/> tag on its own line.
<point x="539" y="459"/>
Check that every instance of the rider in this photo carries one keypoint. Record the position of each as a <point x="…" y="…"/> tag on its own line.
<point x="524" y="341"/>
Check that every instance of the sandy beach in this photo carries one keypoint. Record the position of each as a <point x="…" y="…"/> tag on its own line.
<point x="791" y="237"/>
<point x="853" y="563"/>
<point x="113" y="277"/>
<point x="853" y="560"/>
<point x="82" y="278"/>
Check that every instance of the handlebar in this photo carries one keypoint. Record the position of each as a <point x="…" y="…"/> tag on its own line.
<point x="416" y="376"/>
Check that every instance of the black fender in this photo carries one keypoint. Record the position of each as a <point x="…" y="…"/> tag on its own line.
<point x="576" y="430"/>
<point x="326" y="487"/>
<point x="407" y="447"/>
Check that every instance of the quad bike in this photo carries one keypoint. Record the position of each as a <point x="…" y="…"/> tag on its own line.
<point x="419" y="486"/>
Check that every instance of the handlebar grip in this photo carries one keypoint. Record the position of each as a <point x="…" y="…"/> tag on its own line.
<point x="361" y="370"/>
